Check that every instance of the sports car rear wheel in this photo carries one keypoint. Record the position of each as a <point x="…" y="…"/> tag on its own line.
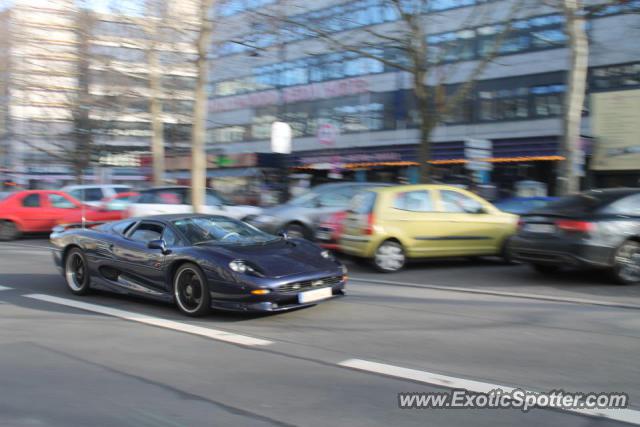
<point x="76" y="272"/>
<point x="191" y="291"/>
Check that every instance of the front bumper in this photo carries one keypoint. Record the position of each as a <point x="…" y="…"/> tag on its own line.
<point x="272" y="302"/>
<point x="560" y="252"/>
<point x="282" y="291"/>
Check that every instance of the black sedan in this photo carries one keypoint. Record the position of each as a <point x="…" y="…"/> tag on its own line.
<point x="594" y="229"/>
<point x="198" y="262"/>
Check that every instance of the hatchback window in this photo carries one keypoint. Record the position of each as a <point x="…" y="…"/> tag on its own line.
<point x="414" y="201"/>
<point x="455" y="202"/>
<point x="31" y="201"/>
<point x="363" y="202"/>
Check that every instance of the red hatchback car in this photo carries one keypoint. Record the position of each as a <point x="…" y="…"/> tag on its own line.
<point x="34" y="211"/>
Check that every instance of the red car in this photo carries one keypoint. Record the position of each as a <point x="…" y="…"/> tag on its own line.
<point x="329" y="231"/>
<point x="34" y="211"/>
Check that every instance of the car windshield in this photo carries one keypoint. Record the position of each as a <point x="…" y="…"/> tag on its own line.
<point x="222" y="231"/>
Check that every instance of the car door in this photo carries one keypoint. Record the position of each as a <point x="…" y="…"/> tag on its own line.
<point x="142" y="268"/>
<point x="414" y="219"/>
<point x="62" y="209"/>
<point x="472" y="229"/>
<point x="31" y="209"/>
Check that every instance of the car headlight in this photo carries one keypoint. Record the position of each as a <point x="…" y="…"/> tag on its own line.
<point x="240" y="266"/>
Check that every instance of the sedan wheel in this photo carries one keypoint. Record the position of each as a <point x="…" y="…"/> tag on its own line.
<point x="389" y="257"/>
<point x="76" y="272"/>
<point x="191" y="291"/>
<point x="626" y="267"/>
<point x="8" y="231"/>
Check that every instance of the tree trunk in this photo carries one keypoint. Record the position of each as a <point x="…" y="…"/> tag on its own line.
<point x="198" y="152"/>
<point x="568" y="177"/>
<point x="157" y="126"/>
<point x="426" y="127"/>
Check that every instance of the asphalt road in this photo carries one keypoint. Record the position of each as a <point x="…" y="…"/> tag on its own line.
<point x="463" y="320"/>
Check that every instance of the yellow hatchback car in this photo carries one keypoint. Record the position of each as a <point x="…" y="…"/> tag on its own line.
<point x="390" y="225"/>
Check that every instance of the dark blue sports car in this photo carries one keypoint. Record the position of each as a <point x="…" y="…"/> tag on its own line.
<point x="198" y="262"/>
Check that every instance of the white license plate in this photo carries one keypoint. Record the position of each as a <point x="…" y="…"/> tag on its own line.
<point x="314" y="295"/>
<point x="539" y="228"/>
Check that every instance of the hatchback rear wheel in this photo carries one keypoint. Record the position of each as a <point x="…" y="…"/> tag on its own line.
<point x="626" y="265"/>
<point x="389" y="257"/>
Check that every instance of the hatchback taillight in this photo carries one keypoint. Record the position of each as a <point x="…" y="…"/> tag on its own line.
<point x="368" y="229"/>
<point x="575" y="226"/>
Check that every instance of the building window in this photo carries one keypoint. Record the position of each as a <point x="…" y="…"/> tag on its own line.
<point x="547" y="100"/>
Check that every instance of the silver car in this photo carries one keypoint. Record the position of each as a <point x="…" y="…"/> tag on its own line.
<point x="300" y="216"/>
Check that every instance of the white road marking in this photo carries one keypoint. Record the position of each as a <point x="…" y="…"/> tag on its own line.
<point x="624" y="415"/>
<point x="24" y="245"/>
<point x="155" y="321"/>
<point x="5" y="288"/>
<point x="524" y="295"/>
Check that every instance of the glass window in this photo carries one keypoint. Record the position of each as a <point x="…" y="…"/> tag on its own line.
<point x="629" y="205"/>
<point x="61" y="202"/>
<point x="363" y="202"/>
<point x="221" y="230"/>
<point x="90" y="194"/>
<point x="169" y="237"/>
<point x="337" y="198"/>
<point x="146" y="232"/>
<point x="414" y="201"/>
<point x="177" y="196"/>
<point x="31" y="201"/>
<point x="455" y="202"/>
<point x="122" y="227"/>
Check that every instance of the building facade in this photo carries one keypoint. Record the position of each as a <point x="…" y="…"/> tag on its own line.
<point x="78" y="82"/>
<point x="354" y="116"/>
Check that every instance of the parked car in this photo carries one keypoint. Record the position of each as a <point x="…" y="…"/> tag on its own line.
<point x="94" y="194"/>
<point x="392" y="225"/>
<point x="34" y="211"/>
<point x="177" y="199"/>
<point x="300" y="216"/>
<point x="330" y="229"/>
<point x="522" y="205"/>
<point x="198" y="262"/>
<point x="119" y="202"/>
<point x="594" y="229"/>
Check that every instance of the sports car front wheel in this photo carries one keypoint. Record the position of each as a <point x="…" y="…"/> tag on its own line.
<point x="191" y="291"/>
<point x="76" y="272"/>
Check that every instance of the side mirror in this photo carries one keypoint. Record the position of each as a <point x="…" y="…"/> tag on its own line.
<point x="159" y="244"/>
<point x="284" y="235"/>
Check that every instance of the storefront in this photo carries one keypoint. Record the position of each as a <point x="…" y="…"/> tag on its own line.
<point x="513" y="160"/>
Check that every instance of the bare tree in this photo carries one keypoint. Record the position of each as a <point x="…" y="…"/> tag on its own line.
<point x="577" y="14"/>
<point x="436" y="98"/>
<point x="198" y="139"/>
